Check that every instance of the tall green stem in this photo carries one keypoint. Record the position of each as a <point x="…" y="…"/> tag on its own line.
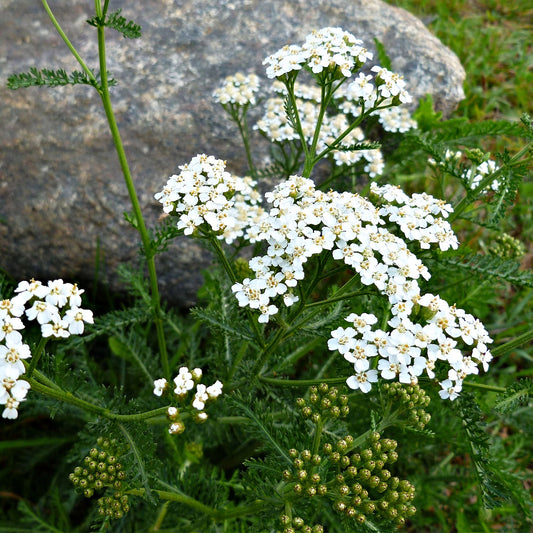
<point x="68" y="397"/>
<point x="141" y="226"/>
<point x="215" y="514"/>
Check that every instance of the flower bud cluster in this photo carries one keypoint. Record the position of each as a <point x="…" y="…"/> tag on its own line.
<point x="205" y="196"/>
<point x="365" y="486"/>
<point x="56" y="307"/>
<point x="507" y="247"/>
<point x="185" y="382"/>
<point x="307" y="482"/>
<point x="291" y="525"/>
<point x="324" y="402"/>
<point x="101" y="471"/>
<point x="414" y="398"/>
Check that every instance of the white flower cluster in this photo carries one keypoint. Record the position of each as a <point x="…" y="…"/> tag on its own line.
<point x="304" y="221"/>
<point x="329" y="49"/>
<point x="185" y="382"/>
<point x="396" y="119"/>
<point x="205" y="194"/>
<point x="239" y="89"/>
<point x="56" y="307"/>
<point x="420" y="217"/>
<point x="411" y="348"/>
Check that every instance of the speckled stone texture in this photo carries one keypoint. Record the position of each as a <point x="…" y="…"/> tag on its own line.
<point x="62" y="195"/>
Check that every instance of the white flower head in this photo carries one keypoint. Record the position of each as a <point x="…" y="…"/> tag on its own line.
<point x="159" y="386"/>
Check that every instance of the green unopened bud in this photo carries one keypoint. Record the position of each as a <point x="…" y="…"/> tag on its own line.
<point x="369" y="507"/>
<point x="327" y="448"/>
<point x="285" y="519"/>
<point x="325" y="403"/>
<point x="316" y="459"/>
<point x="300" y="402"/>
<point x="306" y="455"/>
<point x="366" y="455"/>
<point x="341" y="445"/>
<point x="373" y="482"/>
<point x="293" y="453"/>
<point x="335" y="457"/>
<point x="351" y="471"/>
<point x="297" y="521"/>
<point x="313" y="398"/>
<point x="360" y="518"/>
<point x="287" y="475"/>
<point x="355" y="459"/>
<point x="315" y="478"/>
<point x="323" y="388"/>
<point x="339" y="506"/>
<point x="322" y="490"/>
<point x="370" y="465"/>
<point x="298" y="464"/>
<point x="351" y="512"/>
<point x="383" y="504"/>
<point x="102" y="455"/>
<point x="357" y="488"/>
<point x="301" y="474"/>
<point x="317" y="529"/>
<point x="382" y="486"/>
<point x="394" y="482"/>
<point x="357" y="501"/>
<point x="344" y="490"/>
<point x="88" y="493"/>
<point x="345" y="411"/>
<point x="364" y="474"/>
<point x="297" y="488"/>
<point x="335" y="412"/>
<point x="311" y="491"/>
<point x="316" y="418"/>
<point x="307" y="412"/>
<point x="345" y="461"/>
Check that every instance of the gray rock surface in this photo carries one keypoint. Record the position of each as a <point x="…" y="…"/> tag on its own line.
<point x="62" y="194"/>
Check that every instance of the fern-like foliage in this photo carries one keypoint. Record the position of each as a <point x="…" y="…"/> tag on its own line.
<point x="486" y="266"/>
<point x="367" y="145"/>
<point x="52" y="78"/>
<point x="260" y="425"/>
<point x="492" y="493"/>
<point x="517" y="395"/>
<point x="127" y="28"/>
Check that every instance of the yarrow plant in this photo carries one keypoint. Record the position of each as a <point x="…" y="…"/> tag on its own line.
<point x="336" y="340"/>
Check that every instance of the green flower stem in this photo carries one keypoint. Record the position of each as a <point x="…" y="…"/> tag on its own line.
<point x="45" y="381"/>
<point x="215" y="514"/>
<point x="489" y="178"/>
<point x="242" y="123"/>
<point x="74" y="52"/>
<point x="515" y="343"/>
<point x="310" y="160"/>
<point x="300" y="382"/>
<point x="37" y="355"/>
<point x="292" y="102"/>
<point x="141" y="226"/>
<point x="316" y="437"/>
<point x="493" y="388"/>
<point x="68" y="397"/>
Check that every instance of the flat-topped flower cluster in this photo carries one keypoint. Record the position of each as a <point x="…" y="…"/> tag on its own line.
<point x="305" y="221"/>
<point x="57" y="308"/>
<point x="239" y="89"/>
<point x="330" y="49"/>
<point x="205" y="196"/>
<point x="184" y="382"/>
